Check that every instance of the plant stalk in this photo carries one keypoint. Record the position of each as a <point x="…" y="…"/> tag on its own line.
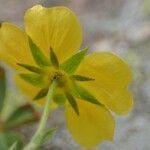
<point x="35" y="142"/>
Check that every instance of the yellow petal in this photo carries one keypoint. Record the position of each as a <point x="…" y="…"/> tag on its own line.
<point x="94" y="124"/>
<point x="121" y="101"/>
<point x="14" y="46"/>
<point x="30" y="91"/>
<point x="112" y="77"/>
<point x="57" y="27"/>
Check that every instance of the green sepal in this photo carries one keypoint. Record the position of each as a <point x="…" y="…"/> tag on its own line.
<point x="59" y="99"/>
<point x="34" y="79"/>
<point x="71" y="64"/>
<point x="31" y="68"/>
<point x="42" y="93"/>
<point x="37" y="54"/>
<point x="72" y="102"/>
<point x="81" y="78"/>
<point x="53" y="58"/>
<point x="86" y="95"/>
<point x="2" y="88"/>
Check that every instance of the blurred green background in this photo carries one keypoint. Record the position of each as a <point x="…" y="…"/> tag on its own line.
<point x="122" y="26"/>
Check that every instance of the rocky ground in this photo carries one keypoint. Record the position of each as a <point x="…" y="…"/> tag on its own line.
<point x="122" y="26"/>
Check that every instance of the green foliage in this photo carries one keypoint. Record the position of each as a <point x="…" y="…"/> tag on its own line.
<point x="53" y="58"/>
<point x="47" y="134"/>
<point x="22" y="115"/>
<point x="2" y="88"/>
<point x="71" y="64"/>
<point x="15" y="118"/>
<point x="14" y="146"/>
<point x="37" y="54"/>
<point x="7" y="139"/>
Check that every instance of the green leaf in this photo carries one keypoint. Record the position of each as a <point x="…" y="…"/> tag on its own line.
<point x="72" y="102"/>
<point x="53" y="58"/>
<point x="7" y="139"/>
<point x="71" y="64"/>
<point x="42" y="93"/>
<point x="34" y="79"/>
<point x="22" y="115"/>
<point x="37" y="54"/>
<point x="81" y="78"/>
<point x="2" y="88"/>
<point x="14" y="146"/>
<point x="31" y="68"/>
<point x="47" y="135"/>
<point x="86" y="95"/>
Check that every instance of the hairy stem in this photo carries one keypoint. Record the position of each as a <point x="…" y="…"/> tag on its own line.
<point x="36" y="139"/>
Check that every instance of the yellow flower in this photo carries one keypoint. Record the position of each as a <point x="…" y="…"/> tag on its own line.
<point x="106" y="77"/>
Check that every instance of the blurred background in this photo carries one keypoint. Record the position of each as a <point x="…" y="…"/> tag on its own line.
<point x="122" y="26"/>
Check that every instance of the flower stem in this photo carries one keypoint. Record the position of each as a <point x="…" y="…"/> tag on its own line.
<point x="36" y="139"/>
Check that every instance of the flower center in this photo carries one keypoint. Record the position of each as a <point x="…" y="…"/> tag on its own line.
<point x="61" y="77"/>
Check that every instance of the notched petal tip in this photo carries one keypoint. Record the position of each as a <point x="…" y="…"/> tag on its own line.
<point x="56" y="26"/>
<point x="40" y="7"/>
<point x="113" y="76"/>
